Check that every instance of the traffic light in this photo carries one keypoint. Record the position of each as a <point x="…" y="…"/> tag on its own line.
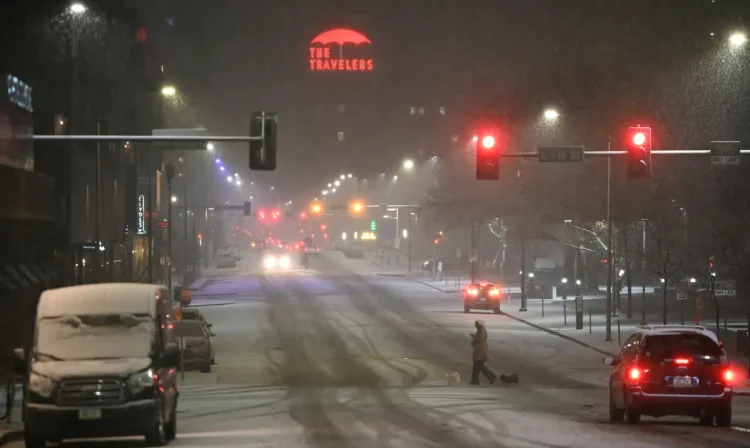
<point x="263" y="150"/>
<point x="438" y="238"/>
<point x="638" y="145"/>
<point x="373" y="226"/>
<point x="488" y="157"/>
<point x="357" y="207"/>
<point x="316" y="209"/>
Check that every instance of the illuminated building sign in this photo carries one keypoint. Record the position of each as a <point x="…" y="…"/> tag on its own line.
<point x="322" y="60"/>
<point x="141" y="215"/>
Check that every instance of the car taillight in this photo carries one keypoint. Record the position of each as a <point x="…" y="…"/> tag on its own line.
<point x="494" y="292"/>
<point x="728" y="375"/>
<point x="634" y="375"/>
<point x="682" y="361"/>
<point x="473" y="292"/>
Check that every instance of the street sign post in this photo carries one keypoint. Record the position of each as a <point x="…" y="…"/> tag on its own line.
<point x="725" y="288"/>
<point x="561" y="154"/>
<point x="682" y="294"/>
<point x="725" y="153"/>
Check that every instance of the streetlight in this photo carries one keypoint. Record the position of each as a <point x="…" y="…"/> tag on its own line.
<point x="737" y="39"/>
<point x="168" y="91"/>
<point x="395" y="178"/>
<point x="239" y="182"/>
<point x="77" y="8"/>
<point x="230" y="179"/>
<point x="210" y="146"/>
<point x="408" y="164"/>
<point x="337" y="183"/>
<point x="350" y="175"/>
<point x="221" y="168"/>
<point x="551" y="114"/>
<point x="174" y="199"/>
<point x="342" y="177"/>
<point x="324" y="192"/>
<point x="218" y="161"/>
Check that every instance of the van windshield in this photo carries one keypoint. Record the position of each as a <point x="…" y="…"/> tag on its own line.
<point x="108" y="336"/>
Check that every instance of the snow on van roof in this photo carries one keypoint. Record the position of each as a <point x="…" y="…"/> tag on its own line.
<point x="103" y="298"/>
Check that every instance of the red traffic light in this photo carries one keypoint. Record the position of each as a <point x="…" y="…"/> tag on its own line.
<point x="639" y="138"/>
<point x="488" y="142"/>
<point x="303" y="215"/>
<point x="323" y="227"/>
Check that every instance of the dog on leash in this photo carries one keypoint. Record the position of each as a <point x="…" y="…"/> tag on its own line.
<point x="453" y="378"/>
<point x="509" y="379"/>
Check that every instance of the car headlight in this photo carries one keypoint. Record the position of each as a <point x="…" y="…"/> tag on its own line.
<point x="269" y="262"/>
<point x="284" y="262"/>
<point x="141" y="380"/>
<point x="41" y="385"/>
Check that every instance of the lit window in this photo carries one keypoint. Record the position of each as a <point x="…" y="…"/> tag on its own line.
<point x="413" y="110"/>
<point x="340" y="136"/>
<point x="442" y="111"/>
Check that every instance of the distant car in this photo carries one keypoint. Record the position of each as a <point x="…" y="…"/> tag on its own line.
<point x="274" y="260"/>
<point x="225" y="261"/>
<point x="671" y="370"/>
<point x="482" y="295"/>
<point x="312" y="250"/>
<point x="197" y="350"/>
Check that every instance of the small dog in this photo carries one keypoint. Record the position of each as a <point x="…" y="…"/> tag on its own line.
<point x="509" y="379"/>
<point x="453" y="378"/>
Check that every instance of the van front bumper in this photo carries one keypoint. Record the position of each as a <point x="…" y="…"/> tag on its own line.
<point x="54" y="422"/>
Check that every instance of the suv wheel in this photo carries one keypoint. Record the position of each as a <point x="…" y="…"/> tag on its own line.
<point x="206" y="367"/>
<point x="615" y="415"/>
<point x="631" y="415"/>
<point x="466" y="308"/>
<point x="157" y="436"/>
<point x="706" y="418"/>
<point x="724" y="415"/>
<point x="497" y="309"/>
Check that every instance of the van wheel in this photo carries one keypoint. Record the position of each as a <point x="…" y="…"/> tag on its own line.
<point x="34" y="440"/>
<point x="724" y="416"/>
<point x="157" y="437"/>
<point x="170" y="430"/>
<point x="206" y="368"/>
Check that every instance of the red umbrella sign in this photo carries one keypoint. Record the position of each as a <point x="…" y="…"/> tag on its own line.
<point x="320" y="51"/>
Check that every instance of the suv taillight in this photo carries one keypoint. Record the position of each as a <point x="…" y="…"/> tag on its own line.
<point x="634" y="375"/>
<point x="728" y="376"/>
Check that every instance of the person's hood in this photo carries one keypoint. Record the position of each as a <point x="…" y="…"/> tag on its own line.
<point x="90" y="367"/>
<point x="480" y="323"/>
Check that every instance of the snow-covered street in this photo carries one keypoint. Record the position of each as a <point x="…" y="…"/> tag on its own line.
<point x="329" y="358"/>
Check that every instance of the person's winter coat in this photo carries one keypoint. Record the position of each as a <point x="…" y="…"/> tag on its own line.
<point x="480" y="344"/>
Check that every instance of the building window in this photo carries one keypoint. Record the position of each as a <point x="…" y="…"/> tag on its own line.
<point x="413" y="110"/>
<point x="442" y="111"/>
<point x="60" y="124"/>
<point x="341" y="108"/>
<point x="340" y="136"/>
<point x="421" y="111"/>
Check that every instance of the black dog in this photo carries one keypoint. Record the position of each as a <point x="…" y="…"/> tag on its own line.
<point x="509" y="379"/>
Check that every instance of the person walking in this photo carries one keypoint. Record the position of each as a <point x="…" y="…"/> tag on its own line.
<point x="480" y="354"/>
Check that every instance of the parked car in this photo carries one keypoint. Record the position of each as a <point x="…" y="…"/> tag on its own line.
<point x="197" y="349"/>
<point x="195" y="314"/>
<point x="97" y="368"/>
<point x="225" y="261"/>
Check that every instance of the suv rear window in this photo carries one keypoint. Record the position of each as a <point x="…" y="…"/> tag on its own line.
<point x="656" y="348"/>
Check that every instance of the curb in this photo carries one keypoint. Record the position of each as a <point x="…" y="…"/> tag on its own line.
<point x="13" y="435"/>
<point x="436" y="288"/>
<point x="558" y="334"/>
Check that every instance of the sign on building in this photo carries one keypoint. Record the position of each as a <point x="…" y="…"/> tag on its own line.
<point x="141" y="215"/>
<point x="327" y="52"/>
<point x="725" y="288"/>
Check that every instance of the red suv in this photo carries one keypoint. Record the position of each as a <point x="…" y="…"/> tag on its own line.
<point x="482" y="295"/>
<point x="671" y="370"/>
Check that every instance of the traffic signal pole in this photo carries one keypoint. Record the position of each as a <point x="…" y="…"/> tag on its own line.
<point x="522" y="196"/>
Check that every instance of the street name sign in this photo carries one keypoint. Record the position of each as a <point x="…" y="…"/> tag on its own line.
<point x="725" y="153"/>
<point x="561" y="154"/>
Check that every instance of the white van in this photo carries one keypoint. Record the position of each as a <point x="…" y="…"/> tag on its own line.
<point x="103" y="364"/>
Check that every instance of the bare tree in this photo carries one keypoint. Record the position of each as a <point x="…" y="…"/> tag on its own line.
<point x="667" y="252"/>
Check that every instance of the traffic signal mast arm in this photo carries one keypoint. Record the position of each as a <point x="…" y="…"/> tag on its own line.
<point x="663" y="152"/>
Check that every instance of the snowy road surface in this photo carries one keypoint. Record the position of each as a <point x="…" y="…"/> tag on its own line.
<point x="328" y="358"/>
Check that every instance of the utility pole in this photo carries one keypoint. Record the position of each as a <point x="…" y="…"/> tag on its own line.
<point x="524" y="303"/>
<point x="169" y="171"/>
<point x="408" y="237"/>
<point x="185" y="228"/>
<point x="98" y="186"/>
<point x="608" y="336"/>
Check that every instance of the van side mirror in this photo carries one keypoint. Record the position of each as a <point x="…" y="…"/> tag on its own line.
<point x="19" y="362"/>
<point x="610" y="361"/>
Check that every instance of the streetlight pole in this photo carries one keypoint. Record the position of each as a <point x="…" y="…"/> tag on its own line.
<point x="169" y="234"/>
<point x="408" y="238"/>
<point x="150" y="219"/>
<point x="608" y="333"/>
<point x="185" y="229"/>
